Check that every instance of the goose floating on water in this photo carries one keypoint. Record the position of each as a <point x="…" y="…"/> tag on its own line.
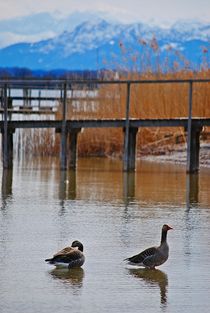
<point x="154" y="256"/>
<point x="70" y="257"/>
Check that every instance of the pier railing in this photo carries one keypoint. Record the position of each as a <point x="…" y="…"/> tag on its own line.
<point x="70" y="128"/>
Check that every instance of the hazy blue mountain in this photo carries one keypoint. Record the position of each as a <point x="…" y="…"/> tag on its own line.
<point x="41" y="26"/>
<point x="98" y="44"/>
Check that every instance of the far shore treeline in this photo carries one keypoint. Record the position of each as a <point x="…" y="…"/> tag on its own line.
<point x="18" y="72"/>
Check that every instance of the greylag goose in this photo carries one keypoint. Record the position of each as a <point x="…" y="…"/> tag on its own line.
<point x="154" y="256"/>
<point x="69" y="257"/>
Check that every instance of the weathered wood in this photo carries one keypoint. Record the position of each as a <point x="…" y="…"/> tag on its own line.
<point x="73" y="134"/>
<point x="7" y="148"/>
<point x="126" y="131"/>
<point x="58" y="83"/>
<point x="106" y="123"/>
<point x="192" y="189"/>
<point x="29" y="111"/>
<point x="63" y="150"/>
<point x="193" y="149"/>
<point x="193" y="137"/>
<point x="189" y="128"/>
<point x="26" y="96"/>
<point x="128" y="186"/>
<point x="6" y="185"/>
<point x="130" y="159"/>
<point x="5" y="131"/>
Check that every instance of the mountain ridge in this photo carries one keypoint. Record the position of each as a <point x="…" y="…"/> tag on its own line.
<point x="98" y="44"/>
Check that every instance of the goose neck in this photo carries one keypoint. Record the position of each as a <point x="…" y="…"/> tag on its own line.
<point x="163" y="236"/>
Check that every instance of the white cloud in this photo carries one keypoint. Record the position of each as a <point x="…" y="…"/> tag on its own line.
<point x="127" y="11"/>
<point x="7" y="38"/>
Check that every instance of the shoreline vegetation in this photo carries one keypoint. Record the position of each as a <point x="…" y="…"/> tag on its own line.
<point x="146" y="101"/>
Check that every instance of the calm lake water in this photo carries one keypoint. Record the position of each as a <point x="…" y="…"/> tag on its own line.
<point x="115" y="215"/>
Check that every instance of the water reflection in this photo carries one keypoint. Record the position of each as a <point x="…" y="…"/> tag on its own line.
<point x="192" y="189"/>
<point x="192" y="200"/>
<point x="74" y="277"/>
<point x="128" y="186"/>
<point x="6" y="186"/>
<point x="153" y="277"/>
<point x="67" y="187"/>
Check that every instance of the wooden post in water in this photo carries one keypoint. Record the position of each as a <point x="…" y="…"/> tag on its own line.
<point x="64" y="130"/>
<point x="129" y="157"/>
<point x="192" y="189"/>
<point x="128" y="186"/>
<point x="130" y="164"/>
<point x="194" y="149"/>
<point x="6" y="185"/>
<point x="7" y="148"/>
<point x="9" y="106"/>
<point x="7" y="140"/>
<point x="5" y="130"/>
<point x="193" y="137"/>
<point x="189" y="126"/>
<point x="126" y="131"/>
<point x="73" y="147"/>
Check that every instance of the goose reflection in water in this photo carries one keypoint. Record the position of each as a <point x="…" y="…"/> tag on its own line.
<point x="73" y="276"/>
<point x="153" y="277"/>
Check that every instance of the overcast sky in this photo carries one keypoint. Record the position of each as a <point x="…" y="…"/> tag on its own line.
<point x="124" y="10"/>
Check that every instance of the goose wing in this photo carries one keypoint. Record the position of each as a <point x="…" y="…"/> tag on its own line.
<point x="67" y="256"/>
<point x="143" y="256"/>
<point x="64" y="251"/>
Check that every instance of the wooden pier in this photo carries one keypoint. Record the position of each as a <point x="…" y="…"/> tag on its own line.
<point x="69" y="129"/>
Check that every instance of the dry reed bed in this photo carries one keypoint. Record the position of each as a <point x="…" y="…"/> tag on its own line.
<point x="146" y="101"/>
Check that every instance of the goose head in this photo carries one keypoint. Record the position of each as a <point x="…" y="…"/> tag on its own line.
<point x="166" y="227"/>
<point x="77" y="244"/>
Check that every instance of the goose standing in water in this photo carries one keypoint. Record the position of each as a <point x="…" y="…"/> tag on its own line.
<point x="70" y="257"/>
<point x="154" y="256"/>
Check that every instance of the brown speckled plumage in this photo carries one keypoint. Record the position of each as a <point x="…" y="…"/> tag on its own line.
<point x="70" y="256"/>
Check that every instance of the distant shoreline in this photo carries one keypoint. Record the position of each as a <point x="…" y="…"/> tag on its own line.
<point x="179" y="156"/>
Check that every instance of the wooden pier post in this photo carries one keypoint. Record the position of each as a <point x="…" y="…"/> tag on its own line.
<point x="27" y="95"/>
<point x="130" y="149"/>
<point x="193" y="137"/>
<point x="126" y="130"/>
<point x="7" y="148"/>
<point x="128" y="186"/>
<point x="7" y="135"/>
<point x="73" y="134"/>
<point x="192" y="189"/>
<point x="63" y="151"/>
<point x="193" y="149"/>
<point x="6" y="185"/>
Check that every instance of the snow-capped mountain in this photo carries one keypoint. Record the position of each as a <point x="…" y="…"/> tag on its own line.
<point x="43" y="25"/>
<point x="100" y="44"/>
